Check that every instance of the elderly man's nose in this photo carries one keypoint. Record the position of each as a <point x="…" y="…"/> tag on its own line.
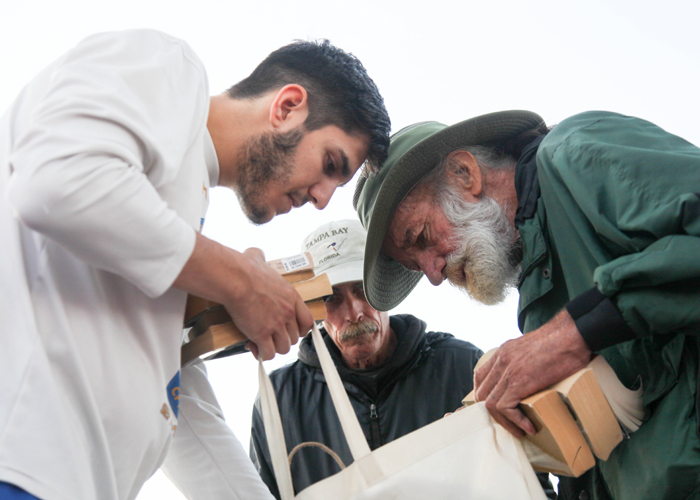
<point x="433" y="267"/>
<point x="355" y="309"/>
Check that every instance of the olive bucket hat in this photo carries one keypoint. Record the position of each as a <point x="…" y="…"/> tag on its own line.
<point x="415" y="150"/>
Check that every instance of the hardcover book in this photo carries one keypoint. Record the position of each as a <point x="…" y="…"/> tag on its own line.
<point x="213" y="334"/>
<point x="581" y="417"/>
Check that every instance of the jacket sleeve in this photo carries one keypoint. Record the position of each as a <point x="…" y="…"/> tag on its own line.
<point x="259" y="452"/>
<point x="206" y="461"/>
<point x="119" y="112"/>
<point x="636" y="189"/>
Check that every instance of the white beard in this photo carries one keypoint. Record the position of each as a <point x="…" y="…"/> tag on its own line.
<point x="491" y="256"/>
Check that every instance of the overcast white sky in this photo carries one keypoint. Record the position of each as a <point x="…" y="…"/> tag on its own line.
<point x="435" y="60"/>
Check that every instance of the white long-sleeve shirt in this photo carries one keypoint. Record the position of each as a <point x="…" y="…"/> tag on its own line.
<point x="105" y="169"/>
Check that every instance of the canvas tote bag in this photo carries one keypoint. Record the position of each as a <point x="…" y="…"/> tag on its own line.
<point x="466" y="455"/>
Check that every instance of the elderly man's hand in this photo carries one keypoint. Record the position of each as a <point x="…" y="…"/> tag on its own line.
<point x="529" y="364"/>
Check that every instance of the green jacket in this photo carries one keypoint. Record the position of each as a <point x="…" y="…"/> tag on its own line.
<point x="610" y="222"/>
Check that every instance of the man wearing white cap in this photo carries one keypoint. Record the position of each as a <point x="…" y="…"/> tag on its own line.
<point x="398" y="375"/>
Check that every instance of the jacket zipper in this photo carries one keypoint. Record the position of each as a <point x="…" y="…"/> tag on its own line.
<point x="374" y="426"/>
<point x="534" y="264"/>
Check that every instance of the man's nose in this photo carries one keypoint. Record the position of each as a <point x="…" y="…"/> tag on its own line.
<point x="321" y="193"/>
<point x="433" y="266"/>
<point x="355" y="308"/>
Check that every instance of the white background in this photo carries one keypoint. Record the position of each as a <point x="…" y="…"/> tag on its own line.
<point x="432" y="60"/>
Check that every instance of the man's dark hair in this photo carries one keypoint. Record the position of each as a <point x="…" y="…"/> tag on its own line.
<point x="340" y="92"/>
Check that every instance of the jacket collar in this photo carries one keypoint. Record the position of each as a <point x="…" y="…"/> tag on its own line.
<point x="527" y="184"/>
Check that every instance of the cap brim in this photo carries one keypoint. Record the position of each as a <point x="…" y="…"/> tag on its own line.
<point x="345" y="273"/>
<point x="387" y="283"/>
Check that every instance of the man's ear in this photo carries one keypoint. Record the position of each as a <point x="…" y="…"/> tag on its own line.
<point x="464" y="171"/>
<point x="289" y="108"/>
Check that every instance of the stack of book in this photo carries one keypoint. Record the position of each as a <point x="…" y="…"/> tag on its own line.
<point x="582" y="417"/>
<point x="212" y="333"/>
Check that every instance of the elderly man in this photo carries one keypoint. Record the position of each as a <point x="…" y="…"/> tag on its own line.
<point x="399" y="376"/>
<point x="107" y="158"/>
<point x="597" y="223"/>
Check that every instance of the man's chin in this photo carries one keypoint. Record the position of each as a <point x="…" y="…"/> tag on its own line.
<point x="489" y="297"/>
<point x="259" y="216"/>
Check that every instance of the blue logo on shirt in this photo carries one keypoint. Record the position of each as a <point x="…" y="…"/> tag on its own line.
<point x="174" y="393"/>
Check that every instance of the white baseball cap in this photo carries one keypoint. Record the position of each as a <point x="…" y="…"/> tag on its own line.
<point x="338" y="249"/>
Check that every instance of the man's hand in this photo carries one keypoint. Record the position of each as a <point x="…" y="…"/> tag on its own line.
<point x="266" y="308"/>
<point x="272" y="311"/>
<point x="528" y="364"/>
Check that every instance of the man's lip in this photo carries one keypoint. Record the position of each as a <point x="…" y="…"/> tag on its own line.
<point x="287" y="208"/>
<point x="296" y="203"/>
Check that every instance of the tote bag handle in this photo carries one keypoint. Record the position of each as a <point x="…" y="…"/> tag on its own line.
<point x="273" y="423"/>
<point x="275" y="435"/>
<point x="346" y="413"/>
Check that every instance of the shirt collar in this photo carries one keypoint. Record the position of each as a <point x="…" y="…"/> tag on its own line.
<point x="527" y="184"/>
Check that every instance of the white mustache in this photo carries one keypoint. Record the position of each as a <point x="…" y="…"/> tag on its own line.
<point x="358" y="329"/>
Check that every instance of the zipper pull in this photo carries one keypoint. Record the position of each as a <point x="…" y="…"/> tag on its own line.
<point x="373" y="411"/>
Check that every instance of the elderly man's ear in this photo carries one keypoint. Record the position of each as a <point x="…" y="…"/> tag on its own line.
<point x="464" y="172"/>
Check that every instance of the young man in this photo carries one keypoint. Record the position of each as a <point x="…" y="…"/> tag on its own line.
<point x="398" y="375"/>
<point x="106" y="162"/>
<point x="597" y="222"/>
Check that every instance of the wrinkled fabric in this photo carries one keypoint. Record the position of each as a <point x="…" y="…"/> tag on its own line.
<point x="408" y="399"/>
<point x="620" y="211"/>
<point x="427" y="376"/>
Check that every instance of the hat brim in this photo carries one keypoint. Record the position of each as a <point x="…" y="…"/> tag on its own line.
<point x="387" y="283"/>
<point x="344" y="273"/>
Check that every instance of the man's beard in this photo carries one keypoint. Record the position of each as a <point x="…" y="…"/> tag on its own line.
<point x="490" y="256"/>
<point x="265" y="158"/>
<point x="358" y="329"/>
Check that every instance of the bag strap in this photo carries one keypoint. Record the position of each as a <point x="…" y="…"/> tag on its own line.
<point x="275" y="434"/>
<point x="316" y="444"/>
<point x="346" y="413"/>
<point x="273" y="423"/>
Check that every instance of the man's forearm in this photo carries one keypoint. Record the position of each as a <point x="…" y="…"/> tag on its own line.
<point x="209" y="270"/>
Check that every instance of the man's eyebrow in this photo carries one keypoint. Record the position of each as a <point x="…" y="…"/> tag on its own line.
<point x="345" y="168"/>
